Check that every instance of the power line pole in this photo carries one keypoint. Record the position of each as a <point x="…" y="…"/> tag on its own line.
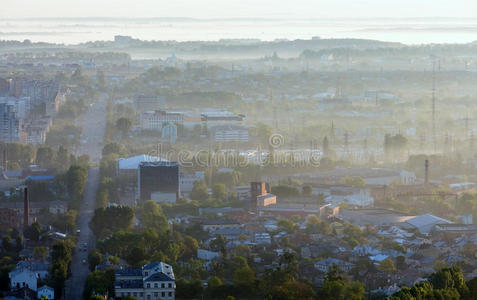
<point x="434" y="104"/>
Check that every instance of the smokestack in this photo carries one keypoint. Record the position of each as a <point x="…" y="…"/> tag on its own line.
<point x="26" y="208"/>
<point x="426" y="174"/>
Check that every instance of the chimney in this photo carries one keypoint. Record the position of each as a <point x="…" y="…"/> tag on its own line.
<point x="258" y="188"/>
<point x="426" y="171"/>
<point x="26" y="208"/>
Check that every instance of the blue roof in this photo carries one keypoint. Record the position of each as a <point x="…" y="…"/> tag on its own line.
<point x="159" y="277"/>
<point x="41" y="178"/>
<point x="151" y="265"/>
<point x="128" y="272"/>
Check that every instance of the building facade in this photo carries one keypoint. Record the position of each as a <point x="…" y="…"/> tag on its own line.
<point x="155" y="120"/>
<point x="153" y="281"/>
<point x="11" y="129"/>
<point x="158" y="181"/>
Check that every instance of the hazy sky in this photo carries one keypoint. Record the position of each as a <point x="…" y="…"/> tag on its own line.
<point x="238" y="8"/>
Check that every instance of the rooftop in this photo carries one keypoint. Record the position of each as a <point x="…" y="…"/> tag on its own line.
<point x="132" y="163"/>
<point x="159" y="277"/>
<point x="219" y="222"/>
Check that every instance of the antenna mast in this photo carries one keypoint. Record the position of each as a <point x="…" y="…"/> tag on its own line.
<point x="434" y="104"/>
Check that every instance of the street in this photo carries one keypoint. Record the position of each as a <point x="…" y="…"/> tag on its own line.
<point x="93" y="124"/>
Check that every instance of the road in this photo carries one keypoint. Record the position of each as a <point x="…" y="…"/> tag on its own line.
<point x="93" y="124"/>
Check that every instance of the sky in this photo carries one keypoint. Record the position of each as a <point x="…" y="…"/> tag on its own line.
<point x="205" y="9"/>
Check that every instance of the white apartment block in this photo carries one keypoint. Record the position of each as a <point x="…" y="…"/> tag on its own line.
<point x="155" y="120"/>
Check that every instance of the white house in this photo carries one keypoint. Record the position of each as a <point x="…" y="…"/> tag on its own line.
<point x="23" y="277"/>
<point x="325" y="264"/>
<point x="41" y="270"/>
<point x="153" y="281"/>
<point x="46" y="291"/>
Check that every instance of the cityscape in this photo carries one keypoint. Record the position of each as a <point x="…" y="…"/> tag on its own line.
<point x="238" y="153"/>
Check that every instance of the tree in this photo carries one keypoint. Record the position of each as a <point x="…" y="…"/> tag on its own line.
<point x="188" y="289"/>
<point x="242" y="250"/>
<point x="33" y="232"/>
<point x="264" y="132"/>
<point x="307" y="190"/>
<point x="285" y="190"/>
<point x="326" y="146"/>
<point x="76" y="178"/>
<point x="219" y="192"/>
<point x="100" y="80"/>
<point x="124" y="125"/>
<point x="338" y="286"/>
<point x="62" y="158"/>
<point x="214" y="282"/>
<point x="61" y="259"/>
<point x="7" y="243"/>
<point x="40" y="252"/>
<point x="151" y="216"/>
<point x="286" y="225"/>
<point x="320" y="199"/>
<point x="112" y="148"/>
<point x="218" y="244"/>
<point x="45" y="156"/>
<point x="244" y="277"/>
<point x="111" y="219"/>
<point x="199" y="192"/>
<point x="293" y="289"/>
<point x="99" y="283"/>
<point x="387" y="265"/>
<point x="94" y="259"/>
<point x="353" y="181"/>
<point x="190" y="246"/>
<point x="316" y="225"/>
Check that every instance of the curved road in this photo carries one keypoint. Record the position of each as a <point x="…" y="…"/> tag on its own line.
<point x="93" y="124"/>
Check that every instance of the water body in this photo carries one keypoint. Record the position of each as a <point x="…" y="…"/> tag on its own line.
<point x="77" y="30"/>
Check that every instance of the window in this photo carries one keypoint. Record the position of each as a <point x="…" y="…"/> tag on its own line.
<point x="169" y="285"/>
<point x="156" y="294"/>
<point x="141" y="294"/>
<point x="146" y="273"/>
<point x="148" y="297"/>
<point x="135" y="294"/>
<point x="155" y="285"/>
<point x="170" y="294"/>
<point x="148" y="285"/>
<point x="162" y="285"/>
<point x="163" y="294"/>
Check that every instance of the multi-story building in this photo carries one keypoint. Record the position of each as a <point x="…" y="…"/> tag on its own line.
<point x="152" y="282"/>
<point x="158" y="181"/>
<point x="231" y="133"/>
<point x="213" y="119"/>
<point x="187" y="180"/>
<point x="144" y="103"/>
<point x="36" y="130"/>
<point x="155" y="120"/>
<point x="10" y="125"/>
